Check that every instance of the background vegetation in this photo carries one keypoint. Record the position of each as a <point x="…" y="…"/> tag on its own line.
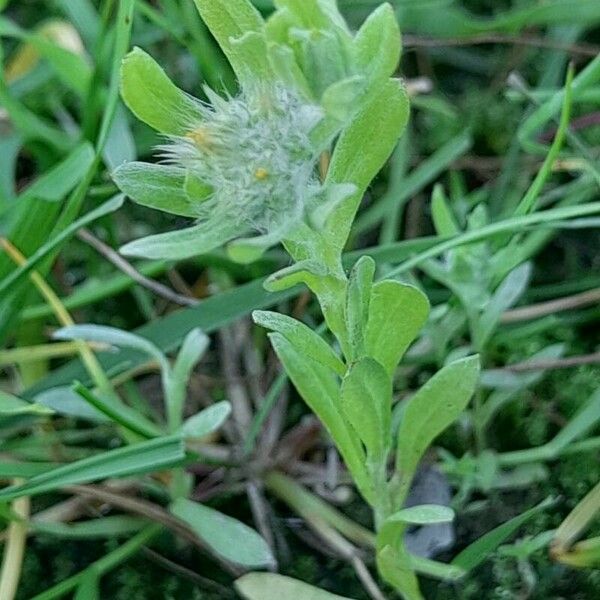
<point x="485" y="79"/>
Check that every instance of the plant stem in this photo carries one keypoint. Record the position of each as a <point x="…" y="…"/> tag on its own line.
<point x="310" y="506"/>
<point x="14" y="548"/>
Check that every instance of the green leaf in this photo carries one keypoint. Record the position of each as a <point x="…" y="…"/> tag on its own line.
<point x="250" y="59"/>
<point x="430" y="411"/>
<point x="321" y="56"/>
<point x="119" y="413"/>
<point x="136" y="459"/>
<point x="249" y="250"/>
<point x="20" y="273"/>
<point x="207" y="421"/>
<point x="105" y="527"/>
<point x="58" y="181"/>
<point x="377" y="125"/>
<point x="505" y="296"/>
<point x="397" y="313"/>
<point x="315" y="14"/>
<point x="357" y="303"/>
<point x="302" y="337"/>
<point x="11" y="405"/>
<point x="424" y="514"/>
<point x="196" y="190"/>
<point x="229" y="538"/>
<point x="339" y="100"/>
<point x="183" y="243"/>
<point x="269" y="586"/>
<point x="366" y="398"/>
<point x="285" y="67"/>
<point x="65" y="401"/>
<point x="162" y="187"/>
<point x="153" y="98"/>
<point x="586" y="417"/>
<point x="395" y="567"/>
<point x="319" y="389"/>
<point x="474" y="554"/>
<point x="443" y="218"/>
<point x="193" y="348"/>
<point x="305" y="271"/>
<point x="89" y="588"/>
<point x="229" y="20"/>
<point x="111" y="336"/>
<point x="377" y="44"/>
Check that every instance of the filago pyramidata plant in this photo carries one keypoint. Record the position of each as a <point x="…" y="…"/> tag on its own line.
<point x="287" y="159"/>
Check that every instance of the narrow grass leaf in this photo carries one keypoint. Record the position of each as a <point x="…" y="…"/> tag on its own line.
<point x="473" y="555"/>
<point x="137" y="459"/>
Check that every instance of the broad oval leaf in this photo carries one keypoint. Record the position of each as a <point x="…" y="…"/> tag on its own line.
<point x="366" y="399"/>
<point x="229" y="20"/>
<point x="397" y="313"/>
<point x="269" y="586"/>
<point x="229" y="538"/>
<point x="431" y="410"/>
<point x="377" y="44"/>
<point x="378" y="124"/>
<point x="153" y="98"/>
<point x="161" y="187"/>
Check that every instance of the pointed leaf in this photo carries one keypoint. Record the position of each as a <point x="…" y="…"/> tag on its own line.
<point x="135" y="459"/>
<point x="207" y="421"/>
<point x="443" y="218"/>
<point x="430" y="411"/>
<point x="474" y="554"/>
<point x="306" y="271"/>
<point x="319" y="389"/>
<point x="357" y="303"/>
<point x="183" y="243"/>
<point x="302" y="337"/>
<point x="229" y="538"/>
<point x="111" y="336"/>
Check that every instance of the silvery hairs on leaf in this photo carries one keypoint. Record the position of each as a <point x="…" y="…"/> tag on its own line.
<point x="255" y="153"/>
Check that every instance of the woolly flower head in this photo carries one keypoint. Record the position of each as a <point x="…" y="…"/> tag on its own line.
<point x="255" y="153"/>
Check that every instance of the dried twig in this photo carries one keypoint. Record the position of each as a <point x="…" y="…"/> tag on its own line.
<point x="118" y="261"/>
<point x="413" y="41"/>
<point x="543" y="309"/>
<point x="558" y="363"/>
<point x="153" y="512"/>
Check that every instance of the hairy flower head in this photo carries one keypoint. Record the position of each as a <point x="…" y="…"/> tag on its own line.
<point x="255" y="153"/>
